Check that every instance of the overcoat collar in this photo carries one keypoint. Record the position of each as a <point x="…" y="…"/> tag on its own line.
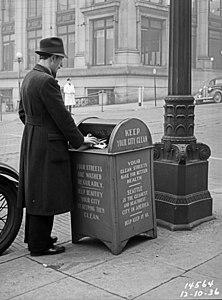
<point x="41" y="68"/>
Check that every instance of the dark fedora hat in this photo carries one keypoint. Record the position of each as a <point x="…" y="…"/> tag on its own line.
<point x="51" y="45"/>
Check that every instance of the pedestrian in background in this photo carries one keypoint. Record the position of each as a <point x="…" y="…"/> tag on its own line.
<point x="69" y="91"/>
<point x="45" y="183"/>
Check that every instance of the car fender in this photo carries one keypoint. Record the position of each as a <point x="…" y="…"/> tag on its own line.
<point x="217" y="91"/>
<point x="9" y="172"/>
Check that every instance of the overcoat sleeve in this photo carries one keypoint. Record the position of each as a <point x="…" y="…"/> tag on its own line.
<point x="21" y="112"/>
<point x="52" y="98"/>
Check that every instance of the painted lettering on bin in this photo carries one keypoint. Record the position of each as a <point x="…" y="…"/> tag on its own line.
<point x="130" y="137"/>
<point x="90" y="191"/>
<point x="135" y="200"/>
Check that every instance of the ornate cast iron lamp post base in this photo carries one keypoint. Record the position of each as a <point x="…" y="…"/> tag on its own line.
<point x="181" y="169"/>
<point x="180" y="163"/>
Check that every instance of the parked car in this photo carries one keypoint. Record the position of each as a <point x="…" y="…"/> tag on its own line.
<point x="210" y="91"/>
<point x="10" y="215"/>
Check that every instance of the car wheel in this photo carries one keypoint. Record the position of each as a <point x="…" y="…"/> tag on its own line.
<point x="217" y="97"/>
<point x="10" y="215"/>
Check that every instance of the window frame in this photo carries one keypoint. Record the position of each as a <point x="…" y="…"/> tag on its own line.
<point x="8" y="11"/>
<point x="104" y="29"/>
<point x="8" y="53"/>
<point x="212" y="11"/>
<point x="36" y="38"/>
<point x="70" y="4"/>
<point x="146" y="61"/>
<point x="37" y="8"/>
<point x="68" y="62"/>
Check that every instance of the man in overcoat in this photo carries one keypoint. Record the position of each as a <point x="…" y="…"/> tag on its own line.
<point x="45" y="186"/>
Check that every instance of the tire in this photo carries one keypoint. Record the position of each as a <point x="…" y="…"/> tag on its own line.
<point x="10" y="215"/>
<point x="217" y="97"/>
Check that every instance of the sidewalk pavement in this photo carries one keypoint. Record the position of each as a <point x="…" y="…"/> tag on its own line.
<point x="175" y="265"/>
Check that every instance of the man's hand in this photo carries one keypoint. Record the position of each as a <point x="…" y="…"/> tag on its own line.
<point x="90" y="140"/>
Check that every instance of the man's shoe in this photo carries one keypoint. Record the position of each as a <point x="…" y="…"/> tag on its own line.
<point x="52" y="251"/>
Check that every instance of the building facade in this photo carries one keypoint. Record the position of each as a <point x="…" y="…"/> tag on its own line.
<point x="117" y="46"/>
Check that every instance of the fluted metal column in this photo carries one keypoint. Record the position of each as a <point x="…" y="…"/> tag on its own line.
<point x="179" y="108"/>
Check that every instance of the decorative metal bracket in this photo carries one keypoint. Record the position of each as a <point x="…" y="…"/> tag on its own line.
<point x="181" y="153"/>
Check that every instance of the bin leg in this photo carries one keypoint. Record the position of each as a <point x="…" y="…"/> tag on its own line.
<point x="114" y="247"/>
<point x="150" y="233"/>
<point x="76" y="237"/>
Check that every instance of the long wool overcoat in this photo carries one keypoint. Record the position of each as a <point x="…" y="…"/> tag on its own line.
<point x="45" y="183"/>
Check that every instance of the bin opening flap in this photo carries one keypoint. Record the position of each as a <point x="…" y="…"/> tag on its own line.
<point x="119" y="135"/>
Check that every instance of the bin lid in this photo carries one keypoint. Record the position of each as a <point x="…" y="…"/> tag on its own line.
<point x="101" y="128"/>
<point x="124" y="134"/>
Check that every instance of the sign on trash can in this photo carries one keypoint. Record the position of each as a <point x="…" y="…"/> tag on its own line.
<point x="113" y="186"/>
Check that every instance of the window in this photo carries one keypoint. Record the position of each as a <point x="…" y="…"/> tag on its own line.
<point x="194" y="47"/>
<point x="103" y="41"/>
<point x="218" y="81"/>
<point x="34" y="37"/>
<point x="155" y="1"/>
<point x="98" y="1"/>
<point x="67" y="33"/>
<point x="8" y="52"/>
<point x="151" y="41"/>
<point x="8" y="9"/>
<point x="215" y="48"/>
<point x="8" y="34"/>
<point x="34" y="30"/>
<point x="6" y="95"/>
<point x="66" y="4"/>
<point x="95" y="96"/>
<point x="215" y="7"/>
<point x="34" y="8"/>
<point x="65" y="21"/>
<point x="194" y="6"/>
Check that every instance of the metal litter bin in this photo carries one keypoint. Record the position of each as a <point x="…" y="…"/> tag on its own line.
<point x="113" y="187"/>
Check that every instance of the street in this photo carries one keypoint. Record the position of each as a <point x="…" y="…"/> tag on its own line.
<point x="208" y="127"/>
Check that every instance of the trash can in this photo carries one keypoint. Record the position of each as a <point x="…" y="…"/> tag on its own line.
<point x="113" y="187"/>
